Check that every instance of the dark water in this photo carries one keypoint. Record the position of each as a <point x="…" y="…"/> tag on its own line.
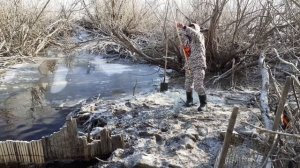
<point x="33" y="104"/>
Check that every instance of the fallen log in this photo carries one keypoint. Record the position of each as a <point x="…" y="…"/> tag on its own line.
<point x="264" y="102"/>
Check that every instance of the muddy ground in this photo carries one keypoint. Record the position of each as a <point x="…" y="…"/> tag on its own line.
<point x="160" y="132"/>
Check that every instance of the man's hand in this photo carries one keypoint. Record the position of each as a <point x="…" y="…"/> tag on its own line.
<point x="179" y="25"/>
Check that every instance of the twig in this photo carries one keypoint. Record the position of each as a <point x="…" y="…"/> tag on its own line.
<point x="270" y="151"/>
<point x="237" y="67"/>
<point x="273" y="81"/>
<point x="296" y="3"/>
<point x="296" y="80"/>
<point x="272" y="132"/>
<point x="286" y="62"/>
<point x="41" y="12"/>
<point x="295" y="95"/>
<point x="103" y="161"/>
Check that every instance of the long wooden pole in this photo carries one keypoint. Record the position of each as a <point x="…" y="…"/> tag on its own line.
<point x="180" y="42"/>
<point x="221" y="158"/>
<point x="166" y="38"/>
<point x="166" y="61"/>
<point x="282" y="101"/>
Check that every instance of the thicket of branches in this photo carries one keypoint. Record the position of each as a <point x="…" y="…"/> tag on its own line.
<point x="27" y="29"/>
<point x="237" y="29"/>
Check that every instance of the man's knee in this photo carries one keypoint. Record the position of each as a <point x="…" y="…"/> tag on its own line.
<point x="200" y="89"/>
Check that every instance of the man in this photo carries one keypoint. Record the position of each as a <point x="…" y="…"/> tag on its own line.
<point x="195" y="66"/>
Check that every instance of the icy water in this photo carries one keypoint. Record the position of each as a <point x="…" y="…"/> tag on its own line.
<point x="34" y="103"/>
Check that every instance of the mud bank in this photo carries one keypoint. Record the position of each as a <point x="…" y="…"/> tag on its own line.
<point x="159" y="132"/>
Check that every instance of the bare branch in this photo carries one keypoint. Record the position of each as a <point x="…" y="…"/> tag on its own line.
<point x="286" y="62"/>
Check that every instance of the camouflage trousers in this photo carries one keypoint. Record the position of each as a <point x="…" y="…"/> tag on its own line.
<point x="195" y="76"/>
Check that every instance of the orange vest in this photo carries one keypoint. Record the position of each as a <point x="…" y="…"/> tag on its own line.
<point x="187" y="50"/>
<point x="285" y="120"/>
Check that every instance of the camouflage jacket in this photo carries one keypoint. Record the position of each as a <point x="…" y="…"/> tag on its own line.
<point x="197" y="59"/>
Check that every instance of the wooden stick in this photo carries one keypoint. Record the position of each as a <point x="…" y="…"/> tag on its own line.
<point x="167" y="39"/>
<point x="281" y="103"/>
<point x="13" y="150"/>
<point x="232" y="76"/>
<point x="221" y="158"/>
<point x="42" y="157"/>
<point x="66" y="150"/>
<point x="5" y="153"/>
<point x="273" y="80"/>
<point x="25" y="152"/>
<point x="103" y="161"/>
<point x="236" y="67"/>
<point x="40" y="13"/>
<point x="272" y="132"/>
<point x="270" y="151"/>
<point x="295" y="95"/>
<point x="34" y="148"/>
<point x="30" y="152"/>
<point x="180" y="42"/>
<point x="277" y="90"/>
<point x="166" y="61"/>
<point x="296" y="81"/>
<point x="10" y="152"/>
<point x="2" y="159"/>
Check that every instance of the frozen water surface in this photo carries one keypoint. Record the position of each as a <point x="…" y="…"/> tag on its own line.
<point x="33" y="105"/>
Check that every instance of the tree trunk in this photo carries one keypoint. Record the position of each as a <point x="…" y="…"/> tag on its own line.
<point x="212" y="44"/>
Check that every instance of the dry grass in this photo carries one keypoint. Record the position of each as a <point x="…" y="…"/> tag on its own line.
<point x="26" y="30"/>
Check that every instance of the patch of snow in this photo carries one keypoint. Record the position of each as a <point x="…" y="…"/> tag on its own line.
<point x="96" y="131"/>
<point x="142" y="160"/>
<point x="109" y="69"/>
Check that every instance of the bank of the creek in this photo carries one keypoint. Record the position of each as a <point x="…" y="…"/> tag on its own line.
<point x="36" y="98"/>
<point x="159" y="132"/>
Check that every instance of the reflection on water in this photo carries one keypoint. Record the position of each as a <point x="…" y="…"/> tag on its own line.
<point x="32" y="97"/>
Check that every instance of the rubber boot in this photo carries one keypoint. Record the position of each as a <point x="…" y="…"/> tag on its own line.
<point x="189" y="99"/>
<point x="203" y="102"/>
